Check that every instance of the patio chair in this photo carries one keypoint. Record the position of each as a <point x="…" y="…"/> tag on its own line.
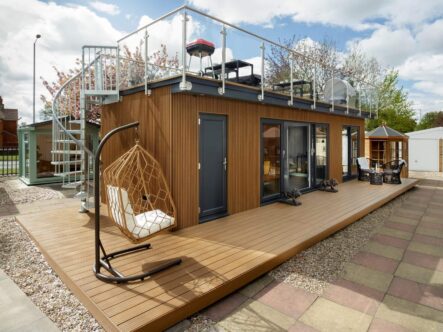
<point x="363" y="169"/>
<point x="392" y="170"/>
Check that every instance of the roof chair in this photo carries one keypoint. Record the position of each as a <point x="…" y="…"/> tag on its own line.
<point x="392" y="170"/>
<point x="363" y="169"/>
<point x="139" y="203"/>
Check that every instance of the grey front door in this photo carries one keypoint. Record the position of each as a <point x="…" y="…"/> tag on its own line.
<point x="212" y="166"/>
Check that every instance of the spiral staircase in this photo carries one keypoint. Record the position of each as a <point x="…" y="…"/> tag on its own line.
<point x="76" y="103"/>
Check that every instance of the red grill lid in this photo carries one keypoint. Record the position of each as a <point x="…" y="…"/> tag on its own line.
<point x="201" y="41"/>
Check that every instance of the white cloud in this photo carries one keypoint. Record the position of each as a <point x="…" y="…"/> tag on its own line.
<point x="106" y="8"/>
<point x="64" y="29"/>
<point x="390" y="46"/>
<point x="349" y="13"/>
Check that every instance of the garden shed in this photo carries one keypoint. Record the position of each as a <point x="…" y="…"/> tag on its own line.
<point x="35" y="145"/>
<point x="384" y="144"/>
<point x="426" y="150"/>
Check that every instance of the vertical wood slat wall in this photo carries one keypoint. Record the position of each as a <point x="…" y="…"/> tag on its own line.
<point x="169" y="130"/>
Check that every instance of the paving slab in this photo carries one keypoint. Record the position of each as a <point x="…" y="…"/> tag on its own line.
<point x="381" y="325"/>
<point x="325" y="315"/>
<point x="429" y="232"/>
<point x="367" y="277"/>
<point x="428" y="249"/>
<point x="256" y="286"/>
<point x="420" y="274"/>
<point x="376" y="262"/>
<point x="224" y="307"/>
<point x="390" y="241"/>
<point x="418" y="293"/>
<point x="428" y="240"/>
<point x="410" y="315"/>
<point x="384" y="250"/>
<point x="300" y="327"/>
<point x="18" y="313"/>
<point x="404" y="220"/>
<point x="427" y="261"/>
<point x="354" y="296"/>
<point x="286" y="298"/>
<point x="395" y="233"/>
<point x="400" y="226"/>
<point x="255" y="316"/>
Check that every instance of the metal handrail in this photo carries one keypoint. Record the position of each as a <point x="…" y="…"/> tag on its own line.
<point x="224" y="23"/>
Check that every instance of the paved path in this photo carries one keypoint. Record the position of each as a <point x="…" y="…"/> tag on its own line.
<point x="393" y="284"/>
<point x="17" y="312"/>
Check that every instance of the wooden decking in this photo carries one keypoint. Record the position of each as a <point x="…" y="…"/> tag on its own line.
<point x="218" y="257"/>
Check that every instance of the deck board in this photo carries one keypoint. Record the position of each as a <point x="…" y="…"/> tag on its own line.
<point x="218" y="257"/>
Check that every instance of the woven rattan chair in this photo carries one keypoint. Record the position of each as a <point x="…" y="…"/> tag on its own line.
<point x="139" y="200"/>
<point x="392" y="170"/>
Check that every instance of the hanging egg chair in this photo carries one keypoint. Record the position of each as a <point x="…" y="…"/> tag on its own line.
<point x="138" y="197"/>
<point x="139" y="203"/>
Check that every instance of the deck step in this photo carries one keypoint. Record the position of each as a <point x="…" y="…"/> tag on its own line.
<point x="73" y="152"/>
<point x="72" y="185"/>
<point x="64" y="141"/>
<point x="68" y="162"/>
<point x="70" y="173"/>
<point x="72" y="131"/>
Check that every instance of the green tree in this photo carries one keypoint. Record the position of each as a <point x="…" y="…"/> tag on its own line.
<point x="430" y="120"/>
<point x="394" y="108"/>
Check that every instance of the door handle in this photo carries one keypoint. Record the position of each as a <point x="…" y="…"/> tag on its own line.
<point x="225" y="163"/>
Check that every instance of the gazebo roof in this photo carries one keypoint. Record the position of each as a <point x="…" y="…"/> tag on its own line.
<point x="384" y="131"/>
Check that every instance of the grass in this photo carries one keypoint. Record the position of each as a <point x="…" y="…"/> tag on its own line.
<point x="10" y="158"/>
<point x="8" y="171"/>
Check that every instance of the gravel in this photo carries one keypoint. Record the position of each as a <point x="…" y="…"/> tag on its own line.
<point x="21" y="260"/>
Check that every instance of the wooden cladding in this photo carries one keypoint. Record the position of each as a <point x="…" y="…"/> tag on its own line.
<point x="169" y="130"/>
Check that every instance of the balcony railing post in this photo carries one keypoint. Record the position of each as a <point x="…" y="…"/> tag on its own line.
<point x="117" y="70"/>
<point x="184" y="85"/>
<point x="332" y="92"/>
<point x="223" y="64"/>
<point x="147" y="91"/>
<point x="261" y="96"/>
<point x="314" y="88"/>
<point x="347" y="98"/>
<point x="291" y="77"/>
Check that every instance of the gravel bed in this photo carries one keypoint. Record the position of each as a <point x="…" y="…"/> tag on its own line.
<point x="13" y="191"/>
<point x="21" y="260"/>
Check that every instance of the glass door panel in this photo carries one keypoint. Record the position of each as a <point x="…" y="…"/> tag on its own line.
<point x="321" y="153"/>
<point x="297" y="158"/>
<point x="345" y="151"/>
<point x="271" y="142"/>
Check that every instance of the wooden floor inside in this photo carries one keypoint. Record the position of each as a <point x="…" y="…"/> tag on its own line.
<point x="218" y="257"/>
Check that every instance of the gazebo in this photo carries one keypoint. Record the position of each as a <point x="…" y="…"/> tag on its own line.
<point x="384" y="144"/>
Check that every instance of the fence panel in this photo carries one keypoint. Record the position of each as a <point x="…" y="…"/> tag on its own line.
<point x="8" y="160"/>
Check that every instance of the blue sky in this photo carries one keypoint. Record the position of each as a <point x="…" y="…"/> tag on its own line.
<point x="401" y="34"/>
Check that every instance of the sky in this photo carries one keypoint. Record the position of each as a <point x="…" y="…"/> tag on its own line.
<point x="401" y="34"/>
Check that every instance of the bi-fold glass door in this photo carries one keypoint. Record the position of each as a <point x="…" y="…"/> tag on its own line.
<point x="289" y="158"/>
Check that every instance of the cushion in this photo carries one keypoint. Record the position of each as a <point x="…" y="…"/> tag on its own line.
<point x="141" y="225"/>
<point x="363" y="162"/>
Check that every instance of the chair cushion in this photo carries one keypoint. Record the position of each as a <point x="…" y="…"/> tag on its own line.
<point x="363" y="162"/>
<point x="141" y="225"/>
